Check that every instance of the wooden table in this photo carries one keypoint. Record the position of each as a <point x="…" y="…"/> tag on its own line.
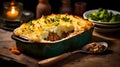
<point x="110" y="58"/>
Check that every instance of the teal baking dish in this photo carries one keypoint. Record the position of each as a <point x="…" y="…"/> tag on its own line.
<point x="46" y="50"/>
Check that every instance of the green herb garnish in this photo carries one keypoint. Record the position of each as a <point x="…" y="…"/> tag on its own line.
<point x="30" y="23"/>
<point x="66" y="19"/>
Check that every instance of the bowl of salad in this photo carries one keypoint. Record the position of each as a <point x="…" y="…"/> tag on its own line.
<point x="104" y="18"/>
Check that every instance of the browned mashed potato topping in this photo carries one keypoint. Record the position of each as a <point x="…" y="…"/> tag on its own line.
<point x="53" y="27"/>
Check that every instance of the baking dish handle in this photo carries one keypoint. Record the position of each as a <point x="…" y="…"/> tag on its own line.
<point x="20" y="39"/>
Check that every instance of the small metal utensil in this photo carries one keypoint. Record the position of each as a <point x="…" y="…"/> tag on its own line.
<point x="65" y="55"/>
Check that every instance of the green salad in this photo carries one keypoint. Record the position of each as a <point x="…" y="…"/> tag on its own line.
<point x="103" y="15"/>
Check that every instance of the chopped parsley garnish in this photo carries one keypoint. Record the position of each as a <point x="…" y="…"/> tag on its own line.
<point x="30" y="29"/>
<point x="56" y="24"/>
<point x="66" y="19"/>
<point x="52" y="19"/>
<point x="30" y="22"/>
<point x="55" y="19"/>
<point x="45" y="21"/>
<point x="24" y="30"/>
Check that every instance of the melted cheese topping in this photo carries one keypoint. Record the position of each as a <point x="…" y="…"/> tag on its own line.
<point x="38" y="30"/>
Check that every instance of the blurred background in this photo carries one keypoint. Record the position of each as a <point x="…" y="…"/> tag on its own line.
<point x="56" y="4"/>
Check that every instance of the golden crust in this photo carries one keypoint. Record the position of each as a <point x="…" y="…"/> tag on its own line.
<point x="60" y="24"/>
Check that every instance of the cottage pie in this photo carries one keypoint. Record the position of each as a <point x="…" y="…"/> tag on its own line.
<point x="53" y="27"/>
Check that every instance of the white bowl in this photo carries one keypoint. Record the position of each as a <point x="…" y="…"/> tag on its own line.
<point x="104" y="26"/>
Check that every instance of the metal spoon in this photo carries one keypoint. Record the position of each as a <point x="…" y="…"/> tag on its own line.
<point x="65" y="55"/>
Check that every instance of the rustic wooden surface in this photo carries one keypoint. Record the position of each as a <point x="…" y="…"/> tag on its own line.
<point x="110" y="58"/>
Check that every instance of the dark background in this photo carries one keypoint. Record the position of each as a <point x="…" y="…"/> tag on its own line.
<point x="56" y="4"/>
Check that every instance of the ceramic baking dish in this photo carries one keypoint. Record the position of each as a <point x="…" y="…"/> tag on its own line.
<point x="50" y="49"/>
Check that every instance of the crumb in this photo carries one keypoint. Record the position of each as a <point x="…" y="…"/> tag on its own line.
<point x="14" y="50"/>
